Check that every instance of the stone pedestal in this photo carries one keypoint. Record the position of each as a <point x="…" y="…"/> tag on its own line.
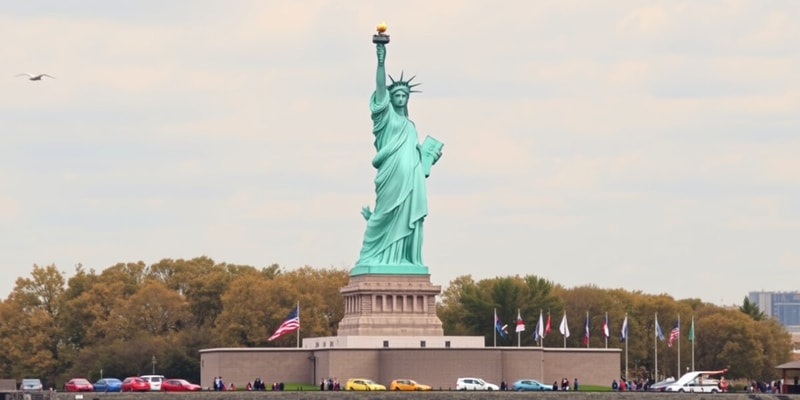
<point x="390" y="305"/>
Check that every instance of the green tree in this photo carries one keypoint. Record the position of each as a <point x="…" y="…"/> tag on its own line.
<point x="751" y="309"/>
<point x="468" y="307"/>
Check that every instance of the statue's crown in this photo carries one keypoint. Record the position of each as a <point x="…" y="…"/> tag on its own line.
<point x="400" y="84"/>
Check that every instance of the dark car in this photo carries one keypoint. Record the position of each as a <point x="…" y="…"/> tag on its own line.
<point x="108" y="385"/>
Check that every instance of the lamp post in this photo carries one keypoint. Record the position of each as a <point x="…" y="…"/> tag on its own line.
<point x="154" y="364"/>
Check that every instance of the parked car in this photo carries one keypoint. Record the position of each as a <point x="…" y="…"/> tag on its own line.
<point x="108" y="385"/>
<point x="179" y="385"/>
<point x="78" y="385"/>
<point x="155" y="381"/>
<point x="530" y="384"/>
<point x="135" y="384"/>
<point x="362" y="384"/>
<point x="475" y="384"/>
<point x="30" y="384"/>
<point x="407" y="384"/>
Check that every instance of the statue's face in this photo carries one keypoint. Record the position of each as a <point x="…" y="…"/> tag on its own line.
<point x="399" y="99"/>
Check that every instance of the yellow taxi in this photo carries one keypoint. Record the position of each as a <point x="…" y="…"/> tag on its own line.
<point x="362" y="384"/>
<point x="407" y="384"/>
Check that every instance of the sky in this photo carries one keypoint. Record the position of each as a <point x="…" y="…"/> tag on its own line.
<point x="645" y="145"/>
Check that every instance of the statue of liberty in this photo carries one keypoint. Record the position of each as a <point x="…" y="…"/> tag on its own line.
<point x="393" y="237"/>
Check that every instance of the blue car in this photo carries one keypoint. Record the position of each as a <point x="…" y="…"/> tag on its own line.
<point x="530" y="384"/>
<point x="108" y="385"/>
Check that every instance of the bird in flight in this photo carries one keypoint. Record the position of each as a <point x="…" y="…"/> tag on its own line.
<point x="36" y="77"/>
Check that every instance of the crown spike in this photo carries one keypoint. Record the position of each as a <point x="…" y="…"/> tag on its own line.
<point x="402" y="84"/>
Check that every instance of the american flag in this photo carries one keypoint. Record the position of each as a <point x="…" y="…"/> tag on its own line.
<point x="290" y="324"/>
<point x="676" y="331"/>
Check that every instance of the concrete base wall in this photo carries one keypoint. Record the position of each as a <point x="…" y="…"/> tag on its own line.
<point x="437" y="367"/>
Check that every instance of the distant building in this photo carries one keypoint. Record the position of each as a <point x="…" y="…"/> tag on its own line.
<point x="783" y="306"/>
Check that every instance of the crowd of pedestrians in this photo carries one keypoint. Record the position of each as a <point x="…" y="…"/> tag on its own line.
<point x="329" y="384"/>
<point x="257" y="384"/>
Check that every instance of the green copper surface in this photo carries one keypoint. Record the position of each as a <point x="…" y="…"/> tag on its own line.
<point x="393" y="237"/>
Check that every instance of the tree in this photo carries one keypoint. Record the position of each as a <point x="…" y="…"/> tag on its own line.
<point x="751" y="309"/>
<point x="154" y="309"/>
<point x="36" y="335"/>
<point x="247" y="304"/>
<point x="468" y="307"/>
<point x="321" y="302"/>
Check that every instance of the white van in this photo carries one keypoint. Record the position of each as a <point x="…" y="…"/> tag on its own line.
<point x="697" y="382"/>
<point x="155" y="381"/>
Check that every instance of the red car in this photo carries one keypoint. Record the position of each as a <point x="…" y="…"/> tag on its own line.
<point x="135" y="384"/>
<point x="78" y="385"/>
<point x="179" y="385"/>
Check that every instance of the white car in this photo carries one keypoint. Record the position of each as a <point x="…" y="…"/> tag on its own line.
<point x="475" y="384"/>
<point x="697" y="382"/>
<point x="155" y="381"/>
<point x="31" y="384"/>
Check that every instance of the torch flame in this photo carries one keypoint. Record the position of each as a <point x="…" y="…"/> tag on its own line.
<point x="381" y="27"/>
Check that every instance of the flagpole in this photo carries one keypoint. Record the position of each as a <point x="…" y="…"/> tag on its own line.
<point x="679" y="345"/>
<point x="518" y="331"/>
<point x="626" y="359"/>
<point x="298" y="325"/>
<point x="691" y="338"/>
<point x="494" y="327"/>
<point x="606" y="327"/>
<point x="626" y="346"/>
<point x="655" y="345"/>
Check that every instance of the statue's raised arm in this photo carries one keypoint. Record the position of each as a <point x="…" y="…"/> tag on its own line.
<point x="380" y="74"/>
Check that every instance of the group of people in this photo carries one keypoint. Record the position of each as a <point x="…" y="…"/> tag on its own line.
<point x="764" y="387"/>
<point x="258" y="384"/>
<point x="628" y="384"/>
<point x="565" y="385"/>
<point x="329" y="384"/>
<point x="219" y="384"/>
